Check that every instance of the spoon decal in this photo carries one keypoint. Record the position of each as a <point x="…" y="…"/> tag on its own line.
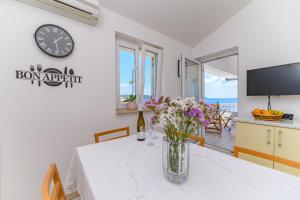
<point x="71" y="72"/>
<point x="32" y="70"/>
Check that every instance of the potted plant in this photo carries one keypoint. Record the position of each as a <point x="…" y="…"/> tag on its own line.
<point x="178" y="118"/>
<point x="131" y="104"/>
<point x="131" y="100"/>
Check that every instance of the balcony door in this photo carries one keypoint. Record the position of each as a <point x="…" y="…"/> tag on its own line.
<point x="190" y="74"/>
<point x="190" y="78"/>
<point x="220" y="88"/>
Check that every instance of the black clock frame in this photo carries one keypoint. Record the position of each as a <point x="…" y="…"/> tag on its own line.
<point x="35" y="38"/>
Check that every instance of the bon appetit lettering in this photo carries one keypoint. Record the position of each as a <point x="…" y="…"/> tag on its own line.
<point x="49" y="76"/>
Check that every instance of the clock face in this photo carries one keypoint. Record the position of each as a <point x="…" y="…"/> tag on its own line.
<point x="54" y="40"/>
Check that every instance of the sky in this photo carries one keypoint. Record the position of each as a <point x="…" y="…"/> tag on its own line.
<point x="218" y="87"/>
<point x="126" y="69"/>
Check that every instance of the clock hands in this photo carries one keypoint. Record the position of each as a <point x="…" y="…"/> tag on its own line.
<point x="56" y="46"/>
<point x="55" y="42"/>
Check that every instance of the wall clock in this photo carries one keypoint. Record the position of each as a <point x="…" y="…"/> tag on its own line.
<point x="54" y="40"/>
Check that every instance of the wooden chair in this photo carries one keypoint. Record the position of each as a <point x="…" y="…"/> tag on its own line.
<point x="57" y="192"/>
<point x="196" y="138"/>
<point x="217" y="120"/>
<point x="98" y="135"/>
<point x="230" y="121"/>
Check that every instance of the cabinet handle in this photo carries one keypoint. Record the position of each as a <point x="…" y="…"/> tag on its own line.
<point x="269" y="136"/>
<point x="279" y="139"/>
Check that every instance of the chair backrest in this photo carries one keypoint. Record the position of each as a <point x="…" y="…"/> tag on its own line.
<point x="215" y="111"/>
<point x="98" y="135"/>
<point x="196" y="138"/>
<point x="57" y="191"/>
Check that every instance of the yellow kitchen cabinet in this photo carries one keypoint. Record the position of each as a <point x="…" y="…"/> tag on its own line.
<point x="287" y="146"/>
<point x="256" y="159"/>
<point x="258" y="138"/>
<point x="287" y="169"/>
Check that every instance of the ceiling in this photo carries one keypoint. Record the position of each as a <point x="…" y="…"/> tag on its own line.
<point x="188" y="21"/>
<point x="225" y="67"/>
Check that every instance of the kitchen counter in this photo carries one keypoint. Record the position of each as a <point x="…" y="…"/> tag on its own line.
<point x="294" y="124"/>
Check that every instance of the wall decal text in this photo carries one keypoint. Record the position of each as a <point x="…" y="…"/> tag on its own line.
<point x="49" y="76"/>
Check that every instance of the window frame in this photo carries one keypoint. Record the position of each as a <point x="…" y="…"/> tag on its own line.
<point x="153" y="58"/>
<point x="158" y="62"/>
<point x="122" y="44"/>
<point x="140" y="49"/>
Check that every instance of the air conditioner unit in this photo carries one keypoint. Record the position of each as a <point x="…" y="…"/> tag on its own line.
<point x="86" y="11"/>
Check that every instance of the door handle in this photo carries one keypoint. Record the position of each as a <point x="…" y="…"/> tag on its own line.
<point x="268" y="136"/>
<point x="178" y="69"/>
<point x="279" y="139"/>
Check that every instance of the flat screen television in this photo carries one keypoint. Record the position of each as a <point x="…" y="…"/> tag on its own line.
<point x="277" y="80"/>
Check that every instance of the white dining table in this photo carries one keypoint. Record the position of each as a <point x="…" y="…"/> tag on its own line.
<point x="127" y="169"/>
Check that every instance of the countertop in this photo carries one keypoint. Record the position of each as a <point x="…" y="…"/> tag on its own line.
<point x="295" y="124"/>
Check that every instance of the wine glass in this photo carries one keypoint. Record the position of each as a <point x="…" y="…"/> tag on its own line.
<point x="150" y="126"/>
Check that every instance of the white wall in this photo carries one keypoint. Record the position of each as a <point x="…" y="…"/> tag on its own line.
<point x="266" y="33"/>
<point x="41" y="125"/>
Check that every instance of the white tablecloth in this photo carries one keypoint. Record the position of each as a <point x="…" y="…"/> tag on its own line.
<point x="125" y="169"/>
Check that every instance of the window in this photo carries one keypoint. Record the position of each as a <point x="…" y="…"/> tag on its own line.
<point x="150" y="68"/>
<point x="138" y="71"/>
<point x="127" y="73"/>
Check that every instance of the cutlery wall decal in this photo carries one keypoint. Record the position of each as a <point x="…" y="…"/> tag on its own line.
<point x="32" y="70"/>
<point x="65" y="73"/>
<point x="39" y="68"/>
<point x="49" y="76"/>
<point x="71" y="72"/>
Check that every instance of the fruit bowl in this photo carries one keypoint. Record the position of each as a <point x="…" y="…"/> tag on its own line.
<point x="271" y="115"/>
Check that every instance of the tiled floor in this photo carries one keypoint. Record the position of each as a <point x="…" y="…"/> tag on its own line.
<point x="224" y="141"/>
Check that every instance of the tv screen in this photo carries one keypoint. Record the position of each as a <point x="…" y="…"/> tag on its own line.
<point x="278" y="80"/>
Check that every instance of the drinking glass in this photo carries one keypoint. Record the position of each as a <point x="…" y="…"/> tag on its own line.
<point x="150" y="126"/>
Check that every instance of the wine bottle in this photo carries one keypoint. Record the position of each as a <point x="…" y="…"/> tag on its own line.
<point x="141" y="127"/>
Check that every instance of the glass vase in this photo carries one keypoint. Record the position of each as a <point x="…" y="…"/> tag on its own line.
<point x="175" y="158"/>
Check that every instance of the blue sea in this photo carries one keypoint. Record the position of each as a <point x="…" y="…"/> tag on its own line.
<point x="225" y="103"/>
<point x="207" y="100"/>
<point x="221" y="100"/>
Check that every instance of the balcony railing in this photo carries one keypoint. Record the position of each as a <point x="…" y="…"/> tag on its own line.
<point x="229" y="106"/>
